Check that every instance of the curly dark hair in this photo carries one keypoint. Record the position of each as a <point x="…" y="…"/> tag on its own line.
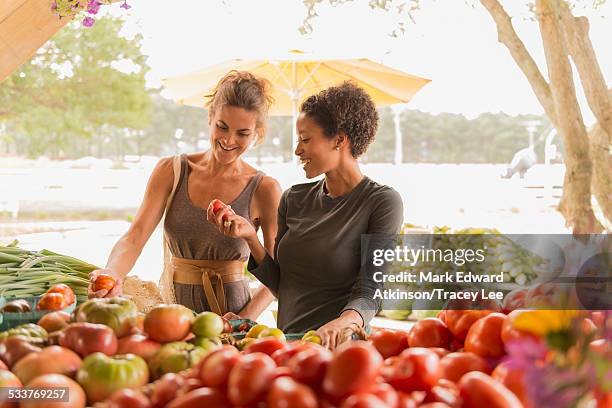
<point x="345" y="108"/>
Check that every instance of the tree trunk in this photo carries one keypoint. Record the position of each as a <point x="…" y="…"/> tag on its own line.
<point x="559" y="103"/>
<point x="602" y="169"/>
<point x="599" y="98"/>
<point x="508" y="36"/>
<point x="569" y="120"/>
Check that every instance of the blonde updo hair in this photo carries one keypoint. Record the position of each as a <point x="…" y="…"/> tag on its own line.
<point x="243" y="90"/>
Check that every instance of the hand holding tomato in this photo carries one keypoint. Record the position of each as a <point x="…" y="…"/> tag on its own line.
<point x="330" y="332"/>
<point x="104" y="283"/>
<point x="232" y="316"/>
<point x="228" y="222"/>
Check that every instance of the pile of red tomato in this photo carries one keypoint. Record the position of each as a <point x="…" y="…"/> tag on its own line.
<point x="453" y="361"/>
<point x="107" y="354"/>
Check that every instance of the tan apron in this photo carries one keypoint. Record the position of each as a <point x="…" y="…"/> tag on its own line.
<point x="212" y="274"/>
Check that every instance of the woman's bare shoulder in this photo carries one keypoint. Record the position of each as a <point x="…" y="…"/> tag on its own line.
<point x="163" y="173"/>
<point x="269" y="190"/>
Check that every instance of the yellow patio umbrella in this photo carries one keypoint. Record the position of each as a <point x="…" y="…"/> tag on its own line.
<point x="298" y="75"/>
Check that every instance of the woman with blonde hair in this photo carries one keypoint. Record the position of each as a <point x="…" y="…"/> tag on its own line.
<point x="206" y="270"/>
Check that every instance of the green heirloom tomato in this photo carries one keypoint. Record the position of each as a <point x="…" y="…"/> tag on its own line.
<point x="101" y="375"/>
<point x="206" y="343"/>
<point x="36" y="335"/>
<point x="207" y="324"/>
<point x="118" y="313"/>
<point x="174" y="357"/>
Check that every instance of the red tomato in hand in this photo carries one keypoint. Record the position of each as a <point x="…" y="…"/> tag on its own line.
<point x="479" y="390"/>
<point x="286" y="392"/>
<point x="250" y="379"/>
<point x="52" y="301"/>
<point x="455" y="365"/>
<point x="353" y="369"/>
<point x="104" y="281"/>
<point x="430" y="332"/>
<point x="484" y="337"/>
<point x="389" y="342"/>
<point x="416" y="369"/>
<point x="216" y="205"/>
<point x="64" y="290"/>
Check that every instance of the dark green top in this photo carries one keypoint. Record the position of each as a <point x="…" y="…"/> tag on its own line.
<point x="316" y="271"/>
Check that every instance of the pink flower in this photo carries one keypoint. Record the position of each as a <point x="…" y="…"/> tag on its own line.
<point x="126" y="6"/>
<point x="88" y="22"/>
<point x="93" y="6"/>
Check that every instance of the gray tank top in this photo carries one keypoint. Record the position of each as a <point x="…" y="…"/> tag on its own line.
<point x="190" y="236"/>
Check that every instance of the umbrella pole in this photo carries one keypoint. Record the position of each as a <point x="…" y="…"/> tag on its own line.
<point x="295" y="96"/>
<point x="294" y="136"/>
<point x="399" y="153"/>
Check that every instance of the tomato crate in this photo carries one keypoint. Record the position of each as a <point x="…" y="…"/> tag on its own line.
<point x="8" y="320"/>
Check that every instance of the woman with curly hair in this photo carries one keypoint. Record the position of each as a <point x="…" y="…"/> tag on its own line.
<point x="316" y="271"/>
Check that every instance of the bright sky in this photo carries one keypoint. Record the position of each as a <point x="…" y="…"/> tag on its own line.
<point x="452" y="43"/>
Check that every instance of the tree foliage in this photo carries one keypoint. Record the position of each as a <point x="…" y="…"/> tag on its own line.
<point x="72" y="88"/>
<point x="452" y="138"/>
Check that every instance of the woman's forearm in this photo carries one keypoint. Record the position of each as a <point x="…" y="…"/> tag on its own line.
<point x="258" y="304"/>
<point x="123" y="256"/>
<point x="258" y="252"/>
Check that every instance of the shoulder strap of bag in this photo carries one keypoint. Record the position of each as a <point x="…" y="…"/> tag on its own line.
<point x="176" y="168"/>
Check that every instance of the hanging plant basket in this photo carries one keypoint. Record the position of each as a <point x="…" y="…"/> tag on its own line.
<point x="87" y="8"/>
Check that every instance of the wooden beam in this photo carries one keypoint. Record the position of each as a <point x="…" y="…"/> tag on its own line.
<point x="23" y="30"/>
<point x="8" y="7"/>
